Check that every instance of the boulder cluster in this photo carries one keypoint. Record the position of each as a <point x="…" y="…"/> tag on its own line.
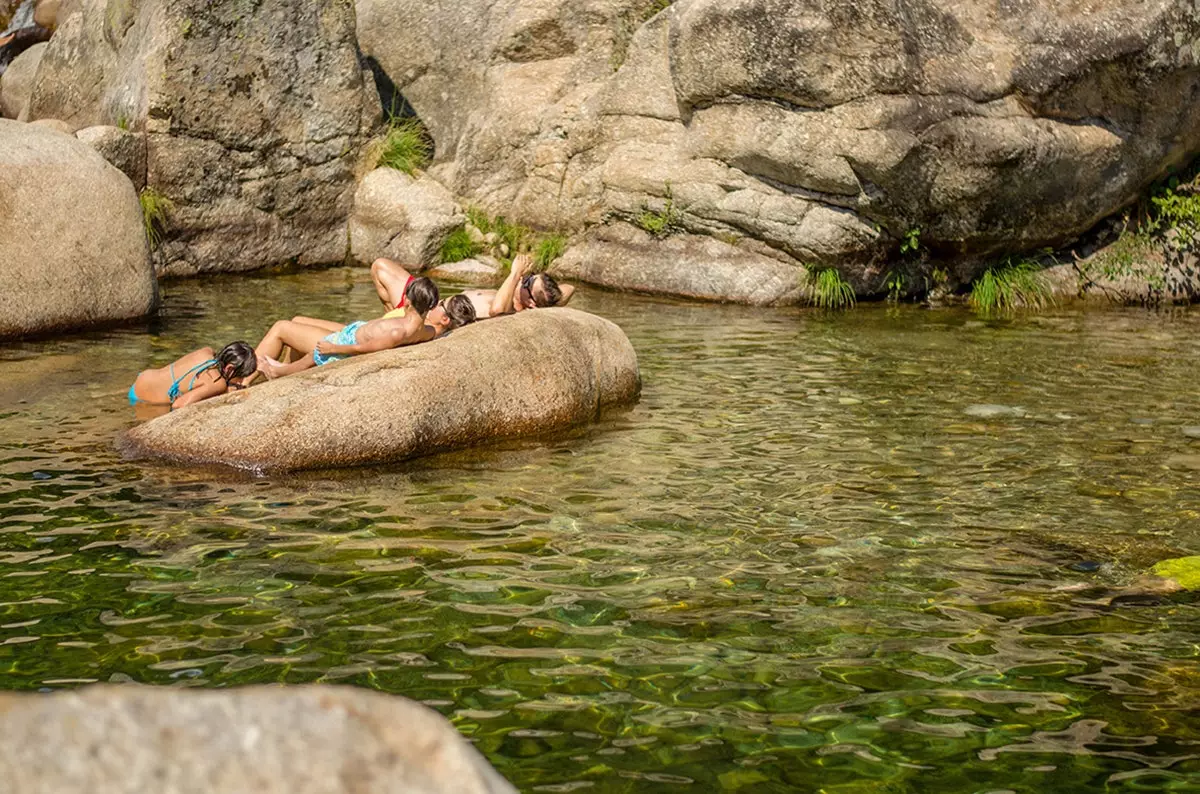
<point x="719" y="149"/>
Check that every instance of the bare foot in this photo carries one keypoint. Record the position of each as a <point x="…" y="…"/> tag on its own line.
<point x="269" y="367"/>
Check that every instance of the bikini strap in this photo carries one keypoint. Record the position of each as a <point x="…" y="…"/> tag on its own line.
<point x="195" y="372"/>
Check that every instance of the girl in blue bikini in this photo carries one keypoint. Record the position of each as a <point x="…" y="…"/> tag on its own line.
<point x="195" y="377"/>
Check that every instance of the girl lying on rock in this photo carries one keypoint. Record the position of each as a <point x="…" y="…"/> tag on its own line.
<point x="194" y="377"/>
<point x="421" y="318"/>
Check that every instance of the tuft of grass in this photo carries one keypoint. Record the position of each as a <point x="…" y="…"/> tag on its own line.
<point x="457" y="247"/>
<point x="513" y="235"/>
<point x="664" y="222"/>
<point x="828" y="290"/>
<point x="155" y="211"/>
<point x="406" y="146"/>
<point x="1014" y="285"/>
<point x="479" y="219"/>
<point x="548" y="249"/>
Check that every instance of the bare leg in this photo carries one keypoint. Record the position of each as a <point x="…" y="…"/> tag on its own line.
<point x="329" y="325"/>
<point x="298" y="336"/>
<point x="390" y="280"/>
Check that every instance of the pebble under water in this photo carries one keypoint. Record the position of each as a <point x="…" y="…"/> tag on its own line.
<point x="874" y="550"/>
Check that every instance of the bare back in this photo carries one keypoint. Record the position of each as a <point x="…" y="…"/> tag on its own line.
<point x="154" y="385"/>
<point x="408" y="327"/>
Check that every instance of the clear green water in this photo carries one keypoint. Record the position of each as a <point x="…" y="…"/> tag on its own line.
<point x="799" y="564"/>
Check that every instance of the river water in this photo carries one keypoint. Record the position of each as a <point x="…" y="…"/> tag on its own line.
<point x="864" y="551"/>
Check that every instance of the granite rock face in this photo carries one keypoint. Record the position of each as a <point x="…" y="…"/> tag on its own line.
<point x="531" y="373"/>
<point x="272" y="740"/>
<point x="123" y="149"/>
<point x="17" y="82"/>
<point x="400" y="217"/>
<point x="73" y="250"/>
<point x="255" y="117"/>
<point x="825" y="131"/>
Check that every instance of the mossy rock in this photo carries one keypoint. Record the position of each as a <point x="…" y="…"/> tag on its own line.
<point x="1183" y="570"/>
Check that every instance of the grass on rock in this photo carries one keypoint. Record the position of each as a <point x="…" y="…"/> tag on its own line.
<point x="828" y="290"/>
<point x="155" y="210"/>
<point x="407" y="146"/>
<point x="1013" y="285"/>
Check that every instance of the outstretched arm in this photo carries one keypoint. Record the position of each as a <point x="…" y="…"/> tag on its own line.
<point x="201" y="392"/>
<point x="502" y="301"/>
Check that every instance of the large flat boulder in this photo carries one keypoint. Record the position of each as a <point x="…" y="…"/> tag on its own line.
<point x="270" y="740"/>
<point x="255" y="116"/>
<point x="73" y="250"/>
<point x="525" y="374"/>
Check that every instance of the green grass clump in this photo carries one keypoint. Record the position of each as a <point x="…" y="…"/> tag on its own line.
<point x="1014" y="285"/>
<point x="828" y="290"/>
<point x="479" y="219"/>
<point x="660" y="223"/>
<point x="155" y="209"/>
<point x="406" y="147"/>
<point x="458" y="246"/>
<point x="548" y="249"/>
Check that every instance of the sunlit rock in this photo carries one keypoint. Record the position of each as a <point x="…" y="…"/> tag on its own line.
<point x="521" y="375"/>
<point x="269" y="740"/>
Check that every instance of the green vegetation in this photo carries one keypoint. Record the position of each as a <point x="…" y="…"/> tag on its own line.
<point x="894" y="282"/>
<point x="1014" y="285"/>
<point x="406" y="146"/>
<point x="828" y="290"/>
<point x="911" y="244"/>
<point x="548" y="249"/>
<point x="664" y="222"/>
<point x="503" y="241"/>
<point x="458" y="246"/>
<point x="1184" y="570"/>
<point x="155" y="209"/>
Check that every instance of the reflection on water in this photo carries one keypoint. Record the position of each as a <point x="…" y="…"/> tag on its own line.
<point x="827" y="552"/>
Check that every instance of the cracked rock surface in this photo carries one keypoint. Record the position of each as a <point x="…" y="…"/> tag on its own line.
<point x="805" y="131"/>
<point x="255" y="115"/>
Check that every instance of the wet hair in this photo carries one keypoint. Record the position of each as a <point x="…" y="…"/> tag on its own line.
<point x="552" y="292"/>
<point x="238" y="355"/>
<point x="422" y="295"/>
<point x="460" y="311"/>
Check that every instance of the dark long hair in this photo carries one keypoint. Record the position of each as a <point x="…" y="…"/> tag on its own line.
<point x="239" y="357"/>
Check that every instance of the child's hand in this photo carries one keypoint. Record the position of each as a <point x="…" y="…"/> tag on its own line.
<point x="327" y="348"/>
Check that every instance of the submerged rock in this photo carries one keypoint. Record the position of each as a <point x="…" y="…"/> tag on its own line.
<point x="72" y="247"/>
<point x="990" y="411"/>
<point x="270" y="740"/>
<point x="520" y="375"/>
<point x="1184" y="572"/>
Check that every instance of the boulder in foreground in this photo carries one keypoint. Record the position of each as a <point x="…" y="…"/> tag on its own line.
<point x="73" y="250"/>
<point x="525" y="374"/>
<point x="271" y="740"/>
